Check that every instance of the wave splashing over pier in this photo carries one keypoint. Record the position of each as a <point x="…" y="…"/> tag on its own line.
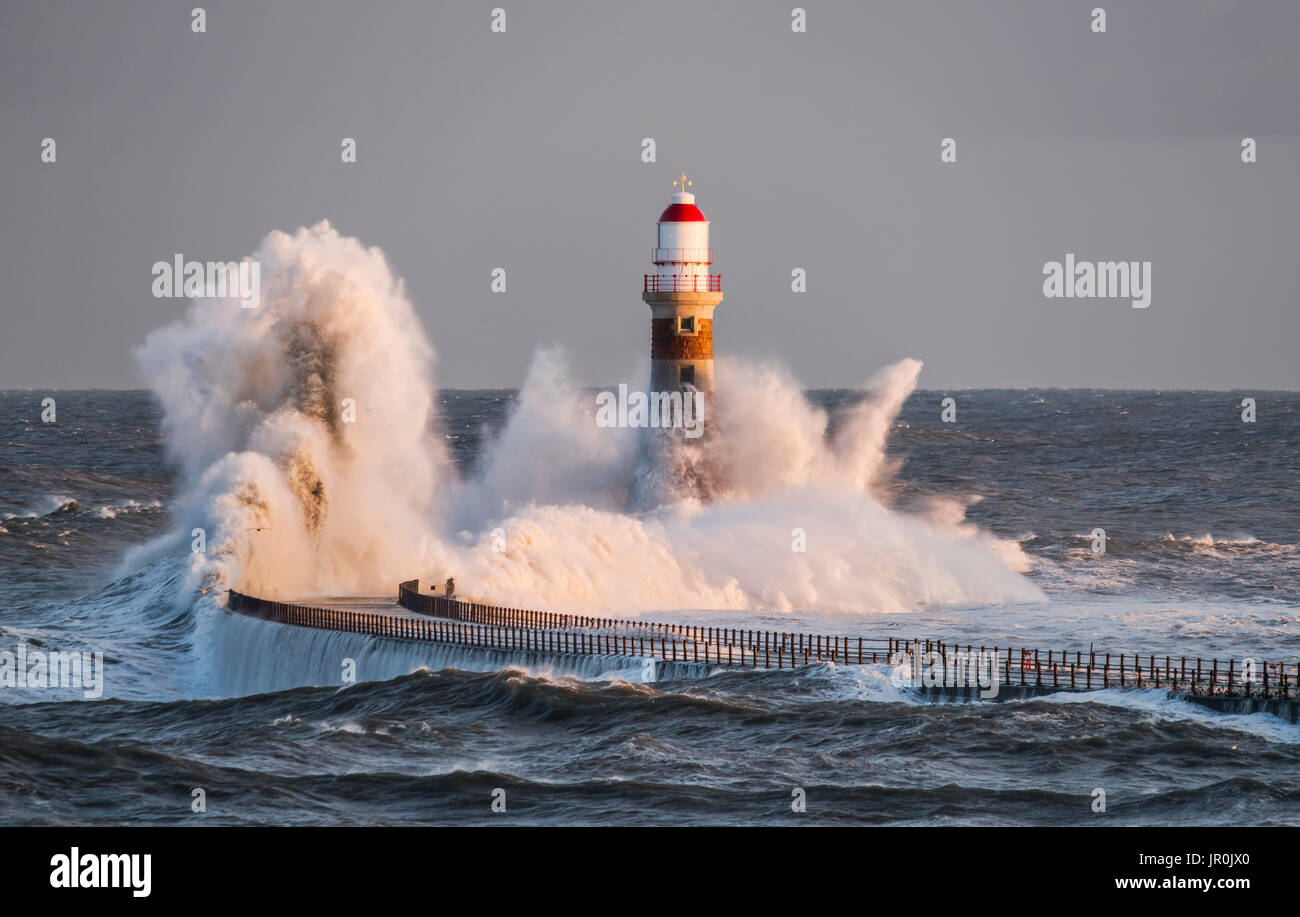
<point x="312" y="459"/>
<point x="304" y="428"/>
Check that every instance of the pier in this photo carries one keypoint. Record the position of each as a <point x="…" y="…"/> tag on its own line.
<point x="683" y="649"/>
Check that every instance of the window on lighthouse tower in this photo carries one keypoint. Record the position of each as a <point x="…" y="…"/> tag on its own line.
<point x="686" y="324"/>
<point x="686" y="375"/>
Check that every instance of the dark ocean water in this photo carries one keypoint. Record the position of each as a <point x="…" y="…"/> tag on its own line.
<point x="1203" y="525"/>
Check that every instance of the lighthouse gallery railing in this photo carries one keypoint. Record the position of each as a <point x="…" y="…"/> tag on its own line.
<point x="683" y="283"/>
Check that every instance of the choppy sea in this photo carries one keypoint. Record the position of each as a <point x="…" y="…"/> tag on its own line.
<point x="1202" y="518"/>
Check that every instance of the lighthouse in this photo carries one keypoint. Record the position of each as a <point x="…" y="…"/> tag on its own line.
<point x="682" y="294"/>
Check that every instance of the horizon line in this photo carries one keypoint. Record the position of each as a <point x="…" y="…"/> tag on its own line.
<point x="806" y="388"/>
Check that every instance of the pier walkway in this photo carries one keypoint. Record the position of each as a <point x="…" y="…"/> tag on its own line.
<point x="938" y="668"/>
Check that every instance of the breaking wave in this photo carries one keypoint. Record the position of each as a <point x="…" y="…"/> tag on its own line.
<point x="312" y="462"/>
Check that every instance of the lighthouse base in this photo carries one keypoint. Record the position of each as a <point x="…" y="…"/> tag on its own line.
<point x="673" y="469"/>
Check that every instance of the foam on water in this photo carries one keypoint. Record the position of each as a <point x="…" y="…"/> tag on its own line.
<point x="1158" y="704"/>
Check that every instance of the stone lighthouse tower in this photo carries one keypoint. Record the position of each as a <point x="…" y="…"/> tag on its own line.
<point x="682" y="295"/>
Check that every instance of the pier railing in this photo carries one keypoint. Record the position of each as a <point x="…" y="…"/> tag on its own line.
<point x="1019" y="666"/>
<point x="441" y="619"/>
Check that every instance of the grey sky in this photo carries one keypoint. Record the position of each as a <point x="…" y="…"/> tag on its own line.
<point x="816" y="150"/>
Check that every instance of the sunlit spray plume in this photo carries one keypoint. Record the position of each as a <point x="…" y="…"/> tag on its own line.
<point x="304" y="428"/>
<point x="801" y="526"/>
<point x="295" y="500"/>
<point x="552" y="451"/>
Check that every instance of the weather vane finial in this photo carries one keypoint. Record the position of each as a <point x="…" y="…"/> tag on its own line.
<point x="682" y="181"/>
